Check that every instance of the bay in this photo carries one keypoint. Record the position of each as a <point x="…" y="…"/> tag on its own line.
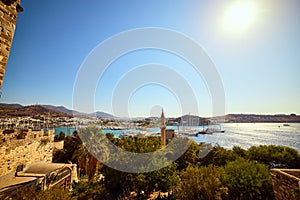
<point x="244" y="135"/>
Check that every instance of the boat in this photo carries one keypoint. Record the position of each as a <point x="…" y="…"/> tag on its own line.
<point x="210" y="131"/>
<point x="286" y="125"/>
<point x="211" y="128"/>
<point x="191" y="134"/>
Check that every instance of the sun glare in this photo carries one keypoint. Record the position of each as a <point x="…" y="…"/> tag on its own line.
<point x="240" y="15"/>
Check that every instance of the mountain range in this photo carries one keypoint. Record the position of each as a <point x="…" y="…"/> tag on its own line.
<point x="15" y="110"/>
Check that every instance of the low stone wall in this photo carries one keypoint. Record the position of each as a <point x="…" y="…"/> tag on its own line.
<point x="286" y="182"/>
<point x="32" y="146"/>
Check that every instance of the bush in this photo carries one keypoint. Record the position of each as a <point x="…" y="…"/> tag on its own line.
<point x="89" y="190"/>
<point x="248" y="180"/>
<point x="32" y="194"/>
<point x="203" y="183"/>
<point x="275" y="156"/>
<point x="59" y="137"/>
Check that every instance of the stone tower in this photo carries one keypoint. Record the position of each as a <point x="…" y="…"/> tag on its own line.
<point x="9" y="10"/>
<point x="163" y="129"/>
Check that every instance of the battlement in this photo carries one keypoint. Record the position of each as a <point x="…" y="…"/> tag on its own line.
<point x="24" y="147"/>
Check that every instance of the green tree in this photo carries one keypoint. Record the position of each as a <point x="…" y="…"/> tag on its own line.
<point x="76" y="151"/>
<point x="248" y="180"/>
<point x="190" y="157"/>
<point x="203" y="183"/>
<point x="89" y="190"/>
<point x="122" y="183"/>
<point x="275" y="156"/>
<point x="71" y="144"/>
<point x="59" y="137"/>
<point x="239" y="151"/>
<point x="164" y="179"/>
<point x="85" y="153"/>
<point x="218" y="156"/>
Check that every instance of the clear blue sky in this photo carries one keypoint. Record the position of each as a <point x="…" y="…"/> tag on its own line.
<point x="257" y="56"/>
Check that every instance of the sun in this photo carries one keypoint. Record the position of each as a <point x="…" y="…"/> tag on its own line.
<point x="240" y="15"/>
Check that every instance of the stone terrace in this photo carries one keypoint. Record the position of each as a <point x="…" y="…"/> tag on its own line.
<point x="286" y="183"/>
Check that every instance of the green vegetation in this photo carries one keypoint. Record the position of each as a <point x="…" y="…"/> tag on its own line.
<point x="201" y="183"/>
<point x="59" y="137"/>
<point x="74" y="151"/>
<point x="248" y="180"/>
<point x="277" y="156"/>
<point x="32" y="194"/>
<point x="221" y="174"/>
<point x="89" y="190"/>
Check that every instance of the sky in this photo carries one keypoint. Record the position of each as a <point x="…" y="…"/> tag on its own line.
<point x="253" y="45"/>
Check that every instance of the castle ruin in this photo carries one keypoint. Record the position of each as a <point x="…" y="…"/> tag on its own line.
<point x="23" y="147"/>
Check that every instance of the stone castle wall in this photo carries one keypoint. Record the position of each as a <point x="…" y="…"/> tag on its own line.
<point x="8" y="17"/>
<point x="24" y="147"/>
<point x="286" y="183"/>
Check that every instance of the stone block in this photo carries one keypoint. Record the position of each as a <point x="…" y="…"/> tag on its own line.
<point x="8" y="18"/>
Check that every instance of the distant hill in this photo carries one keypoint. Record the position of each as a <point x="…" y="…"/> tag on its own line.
<point x="102" y="115"/>
<point x="17" y="110"/>
<point x="58" y="109"/>
<point x="6" y="106"/>
<point x="71" y="112"/>
<point x="33" y="110"/>
<point x="246" y="118"/>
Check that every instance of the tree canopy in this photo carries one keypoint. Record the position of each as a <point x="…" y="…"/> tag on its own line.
<point x="202" y="172"/>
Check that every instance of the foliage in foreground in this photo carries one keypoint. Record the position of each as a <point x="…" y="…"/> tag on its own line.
<point x="32" y="194"/>
<point x="248" y="180"/>
<point x="204" y="183"/>
<point x="89" y="190"/>
<point x="221" y="174"/>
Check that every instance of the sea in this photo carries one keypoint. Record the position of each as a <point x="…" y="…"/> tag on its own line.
<point x="244" y="135"/>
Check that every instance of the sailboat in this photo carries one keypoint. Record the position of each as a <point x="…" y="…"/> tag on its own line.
<point x="187" y="123"/>
<point x="209" y="130"/>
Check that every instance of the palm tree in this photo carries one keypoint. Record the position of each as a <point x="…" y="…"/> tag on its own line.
<point x="91" y="150"/>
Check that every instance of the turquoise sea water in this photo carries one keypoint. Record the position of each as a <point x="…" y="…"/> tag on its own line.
<point x="65" y="129"/>
<point x="244" y="135"/>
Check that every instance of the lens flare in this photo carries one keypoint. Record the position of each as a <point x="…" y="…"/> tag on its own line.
<point x="240" y="15"/>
